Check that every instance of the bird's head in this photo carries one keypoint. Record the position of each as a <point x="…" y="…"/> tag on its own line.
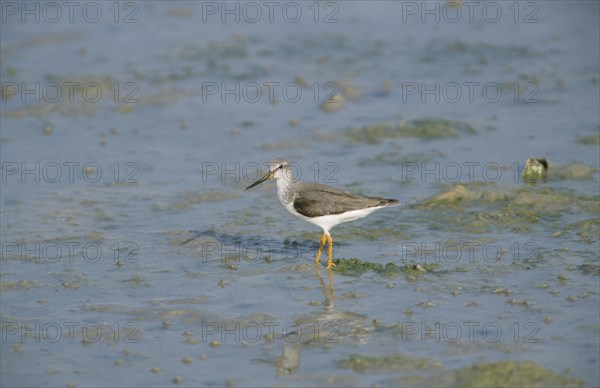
<point x="279" y="168"/>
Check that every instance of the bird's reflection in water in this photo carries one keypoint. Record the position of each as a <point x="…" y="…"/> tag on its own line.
<point x="289" y="360"/>
<point x="328" y="290"/>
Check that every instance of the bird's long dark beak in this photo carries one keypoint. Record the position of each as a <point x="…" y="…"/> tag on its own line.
<point x="267" y="176"/>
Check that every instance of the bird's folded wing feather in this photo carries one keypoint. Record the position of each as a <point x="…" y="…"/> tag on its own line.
<point x="325" y="201"/>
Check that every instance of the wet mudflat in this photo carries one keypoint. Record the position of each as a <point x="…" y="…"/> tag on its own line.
<point x="132" y="256"/>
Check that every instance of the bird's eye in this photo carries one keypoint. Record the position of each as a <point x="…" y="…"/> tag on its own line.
<point x="281" y="166"/>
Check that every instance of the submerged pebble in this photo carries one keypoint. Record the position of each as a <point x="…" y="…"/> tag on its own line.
<point x="535" y="170"/>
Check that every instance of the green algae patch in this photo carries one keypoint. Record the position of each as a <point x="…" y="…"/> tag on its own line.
<point x="437" y="129"/>
<point x="589" y="269"/>
<point x="575" y="172"/>
<point x="512" y="374"/>
<point x="461" y="194"/>
<point x="589" y="140"/>
<point x="370" y="134"/>
<point x="543" y="200"/>
<point x="479" y="207"/>
<point x="356" y="266"/>
<point x="22" y="284"/>
<point x="426" y="129"/>
<point x="392" y="362"/>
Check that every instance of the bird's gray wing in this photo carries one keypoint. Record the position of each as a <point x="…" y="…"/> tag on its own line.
<point x="314" y="200"/>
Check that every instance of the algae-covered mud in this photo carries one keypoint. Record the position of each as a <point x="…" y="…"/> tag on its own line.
<point x="131" y="256"/>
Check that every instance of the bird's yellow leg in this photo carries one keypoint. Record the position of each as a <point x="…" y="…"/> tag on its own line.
<point x="321" y="245"/>
<point x="330" y="252"/>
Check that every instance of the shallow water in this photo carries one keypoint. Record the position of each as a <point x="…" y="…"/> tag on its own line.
<point x="129" y="246"/>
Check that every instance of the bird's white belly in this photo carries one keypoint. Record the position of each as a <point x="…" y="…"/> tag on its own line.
<point x="329" y="221"/>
